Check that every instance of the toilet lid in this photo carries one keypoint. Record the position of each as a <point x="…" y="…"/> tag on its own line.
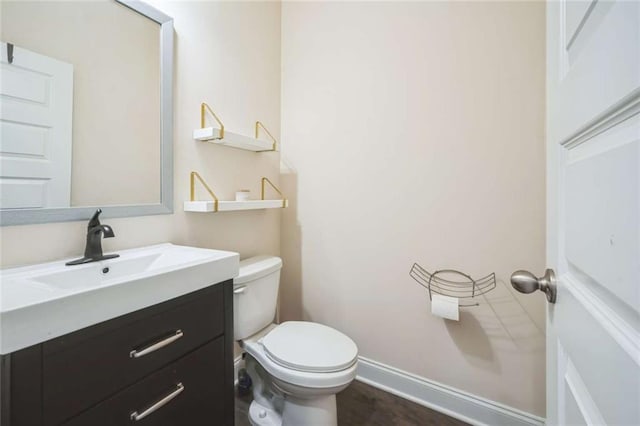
<point x="307" y="346"/>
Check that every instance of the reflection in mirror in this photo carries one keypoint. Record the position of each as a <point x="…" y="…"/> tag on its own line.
<point x="82" y="118"/>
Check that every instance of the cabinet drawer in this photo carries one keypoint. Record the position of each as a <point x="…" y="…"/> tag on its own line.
<point x="192" y="390"/>
<point x="86" y="371"/>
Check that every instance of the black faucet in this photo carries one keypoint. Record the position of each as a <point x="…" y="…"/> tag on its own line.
<point x="93" y="250"/>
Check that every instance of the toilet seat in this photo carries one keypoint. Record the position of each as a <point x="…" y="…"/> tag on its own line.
<point x="254" y="346"/>
<point x="310" y="347"/>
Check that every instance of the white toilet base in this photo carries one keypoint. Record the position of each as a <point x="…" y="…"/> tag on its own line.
<point x="310" y="412"/>
<point x="274" y="406"/>
<point x="260" y="415"/>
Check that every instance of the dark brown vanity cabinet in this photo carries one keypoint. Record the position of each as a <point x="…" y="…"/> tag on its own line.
<point x="168" y="364"/>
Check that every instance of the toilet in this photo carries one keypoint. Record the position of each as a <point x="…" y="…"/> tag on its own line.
<point x="296" y="367"/>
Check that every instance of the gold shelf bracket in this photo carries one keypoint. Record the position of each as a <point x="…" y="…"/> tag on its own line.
<point x="265" y="180"/>
<point x="192" y="193"/>
<point x="259" y="126"/>
<point x="204" y="107"/>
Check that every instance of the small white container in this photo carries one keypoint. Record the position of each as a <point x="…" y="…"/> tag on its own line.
<point x="243" y="195"/>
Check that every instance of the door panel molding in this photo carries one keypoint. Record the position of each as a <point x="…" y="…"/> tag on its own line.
<point x="601" y="67"/>
<point x="599" y="352"/>
<point x="600" y="223"/>
<point x="583" y="399"/>
<point x="574" y="24"/>
<point x="619" y="329"/>
<point x="616" y="114"/>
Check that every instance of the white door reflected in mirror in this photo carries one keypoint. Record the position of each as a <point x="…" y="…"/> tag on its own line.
<point x="36" y="101"/>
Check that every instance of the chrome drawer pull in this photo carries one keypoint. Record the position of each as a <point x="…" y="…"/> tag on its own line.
<point x="161" y="344"/>
<point x="135" y="416"/>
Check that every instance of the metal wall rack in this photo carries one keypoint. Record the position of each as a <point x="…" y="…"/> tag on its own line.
<point x="453" y="283"/>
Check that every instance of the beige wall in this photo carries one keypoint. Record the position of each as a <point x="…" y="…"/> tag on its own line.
<point x="414" y="132"/>
<point x="115" y="54"/>
<point x="229" y="55"/>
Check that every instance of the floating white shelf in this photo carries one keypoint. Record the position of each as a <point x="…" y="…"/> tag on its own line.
<point x="220" y="136"/>
<point x="227" y="206"/>
<point x="215" y="205"/>
<point x="234" y="140"/>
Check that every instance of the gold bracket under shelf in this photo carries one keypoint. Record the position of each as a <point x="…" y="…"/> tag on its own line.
<point x="192" y="192"/>
<point x="204" y="107"/>
<point x="265" y="180"/>
<point x="259" y="125"/>
<point x="216" y="201"/>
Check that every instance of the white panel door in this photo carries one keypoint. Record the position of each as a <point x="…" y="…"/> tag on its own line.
<point x="36" y="102"/>
<point x="593" y="202"/>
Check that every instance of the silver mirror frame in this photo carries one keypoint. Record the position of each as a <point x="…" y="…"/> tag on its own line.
<point x="67" y="214"/>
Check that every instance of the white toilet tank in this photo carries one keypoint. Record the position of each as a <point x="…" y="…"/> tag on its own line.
<point x="255" y="295"/>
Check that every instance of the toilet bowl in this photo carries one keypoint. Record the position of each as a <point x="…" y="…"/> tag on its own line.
<point x="296" y="367"/>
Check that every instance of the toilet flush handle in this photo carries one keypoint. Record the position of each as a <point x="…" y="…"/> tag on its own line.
<point x="239" y="289"/>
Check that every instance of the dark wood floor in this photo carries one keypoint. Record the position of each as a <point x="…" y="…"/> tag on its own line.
<point x="364" y="405"/>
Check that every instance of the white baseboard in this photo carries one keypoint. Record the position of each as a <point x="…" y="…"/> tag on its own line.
<point x="452" y="402"/>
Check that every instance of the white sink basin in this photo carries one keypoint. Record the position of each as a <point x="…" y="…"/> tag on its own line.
<point x="40" y="302"/>
<point x="98" y="273"/>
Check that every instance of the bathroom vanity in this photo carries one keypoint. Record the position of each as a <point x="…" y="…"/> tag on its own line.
<point x="169" y="362"/>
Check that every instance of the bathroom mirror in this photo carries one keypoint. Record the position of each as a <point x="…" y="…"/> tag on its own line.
<point x="85" y="110"/>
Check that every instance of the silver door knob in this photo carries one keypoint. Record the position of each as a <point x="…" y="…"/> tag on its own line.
<point x="526" y="282"/>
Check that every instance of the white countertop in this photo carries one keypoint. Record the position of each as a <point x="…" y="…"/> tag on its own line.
<point x="41" y="302"/>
